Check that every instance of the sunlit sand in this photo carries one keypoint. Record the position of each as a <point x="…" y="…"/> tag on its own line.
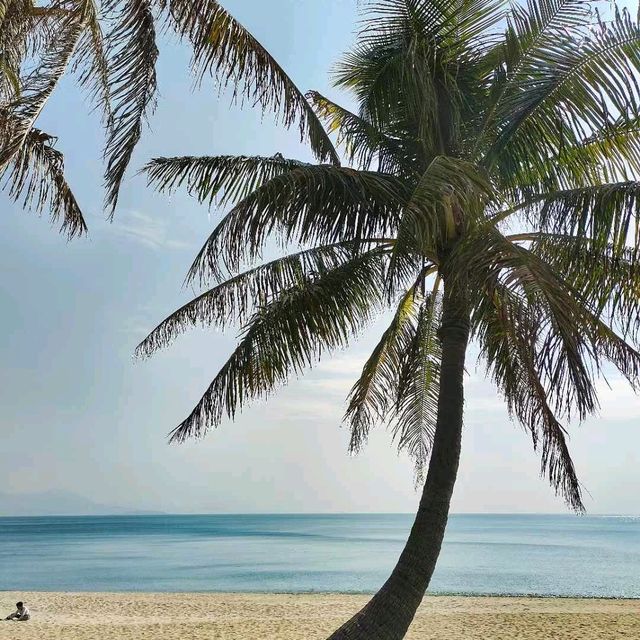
<point x="144" y="616"/>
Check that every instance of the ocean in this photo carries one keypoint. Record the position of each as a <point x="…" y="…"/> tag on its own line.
<point x="559" y="555"/>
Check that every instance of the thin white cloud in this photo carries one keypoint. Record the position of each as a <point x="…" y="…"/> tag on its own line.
<point x="149" y="231"/>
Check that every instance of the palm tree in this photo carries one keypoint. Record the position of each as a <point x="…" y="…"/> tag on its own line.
<point x="112" y="49"/>
<point x="490" y="194"/>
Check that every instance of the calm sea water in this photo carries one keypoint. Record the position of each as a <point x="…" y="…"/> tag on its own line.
<point x="482" y="554"/>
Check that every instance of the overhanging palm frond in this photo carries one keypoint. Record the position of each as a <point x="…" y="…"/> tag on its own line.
<point x="507" y="331"/>
<point x="236" y="299"/>
<point x="399" y="383"/>
<point x="287" y="335"/>
<point x="531" y="29"/>
<point x="578" y="87"/>
<point x="219" y="179"/>
<point x="606" y="215"/>
<point x="375" y="393"/>
<point x="17" y="23"/>
<point x="35" y="177"/>
<point x="223" y="48"/>
<point x="315" y="204"/>
<point x="362" y="142"/>
<point x="414" y="424"/>
<point x="18" y="119"/>
<point x="563" y="352"/>
<point x="132" y="52"/>
<point x="91" y="57"/>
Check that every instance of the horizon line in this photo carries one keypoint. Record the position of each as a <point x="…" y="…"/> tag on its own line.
<point x="142" y="513"/>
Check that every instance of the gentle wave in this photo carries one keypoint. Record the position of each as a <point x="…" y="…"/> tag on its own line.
<point x="508" y="555"/>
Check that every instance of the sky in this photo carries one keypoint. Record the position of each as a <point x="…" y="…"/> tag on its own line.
<point x="80" y="417"/>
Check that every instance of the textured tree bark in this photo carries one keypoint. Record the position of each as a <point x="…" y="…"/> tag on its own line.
<point x="389" y="613"/>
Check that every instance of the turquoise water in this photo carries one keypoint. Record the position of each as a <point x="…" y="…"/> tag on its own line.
<point x="482" y="554"/>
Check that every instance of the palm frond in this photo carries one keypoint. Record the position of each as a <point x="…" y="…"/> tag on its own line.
<point x="18" y="118"/>
<point x="580" y="85"/>
<point x="35" y="177"/>
<point x="606" y="215"/>
<point x="91" y="57"/>
<point x="217" y="179"/>
<point x="132" y="52"/>
<point x="399" y="383"/>
<point x="531" y="29"/>
<point x="287" y="335"/>
<point x="223" y="48"/>
<point x="414" y="424"/>
<point x="375" y="393"/>
<point x="17" y="23"/>
<point x="609" y="156"/>
<point x="455" y="25"/>
<point x="564" y="353"/>
<point x="507" y="331"/>
<point x="315" y="204"/>
<point x="237" y="298"/>
<point x="363" y="143"/>
<point x="606" y="281"/>
<point x="412" y="70"/>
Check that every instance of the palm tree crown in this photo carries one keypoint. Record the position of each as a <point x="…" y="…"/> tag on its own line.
<point x="495" y="149"/>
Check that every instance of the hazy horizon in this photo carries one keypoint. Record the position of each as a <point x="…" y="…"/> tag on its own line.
<point x="81" y="417"/>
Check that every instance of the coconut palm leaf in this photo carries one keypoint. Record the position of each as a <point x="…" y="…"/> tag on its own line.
<point x="287" y="335"/>
<point x="91" y="58"/>
<point x="16" y="25"/>
<point x="363" y="143"/>
<point x="132" y="50"/>
<point x="580" y="85"/>
<point x="217" y="179"/>
<point x="374" y="394"/>
<point x="563" y="351"/>
<point x="19" y="117"/>
<point x="319" y="204"/>
<point x="223" y="48"/>
<point x="239" y="297"/>
<point x="532" y="28"/>
<point x="507" y="335"/>
<point x="609" y="156"/>
<point x="607" y="215"/>
<point x="607" y="280"/>
<point x="414" y="422"/>
<point x="35" y="177"/>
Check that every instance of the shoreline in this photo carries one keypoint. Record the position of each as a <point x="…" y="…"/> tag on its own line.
<point x="246" y="616"/>
<point x="429" y="594"/>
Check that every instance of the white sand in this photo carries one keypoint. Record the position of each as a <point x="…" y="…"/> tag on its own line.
<point x="146" y="616"/>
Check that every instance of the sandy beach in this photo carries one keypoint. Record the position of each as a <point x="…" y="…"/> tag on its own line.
<point x="145" y="616"/>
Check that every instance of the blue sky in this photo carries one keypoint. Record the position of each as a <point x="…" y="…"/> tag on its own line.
<point x="80" y="415"/>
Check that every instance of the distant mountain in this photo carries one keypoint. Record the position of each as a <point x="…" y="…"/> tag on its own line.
<point x="58" y="503"/>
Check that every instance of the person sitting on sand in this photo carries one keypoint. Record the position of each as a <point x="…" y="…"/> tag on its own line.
<point x="22" y="614"/>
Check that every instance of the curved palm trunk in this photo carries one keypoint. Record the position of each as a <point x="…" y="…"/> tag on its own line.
<point x="389" y="613"/>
